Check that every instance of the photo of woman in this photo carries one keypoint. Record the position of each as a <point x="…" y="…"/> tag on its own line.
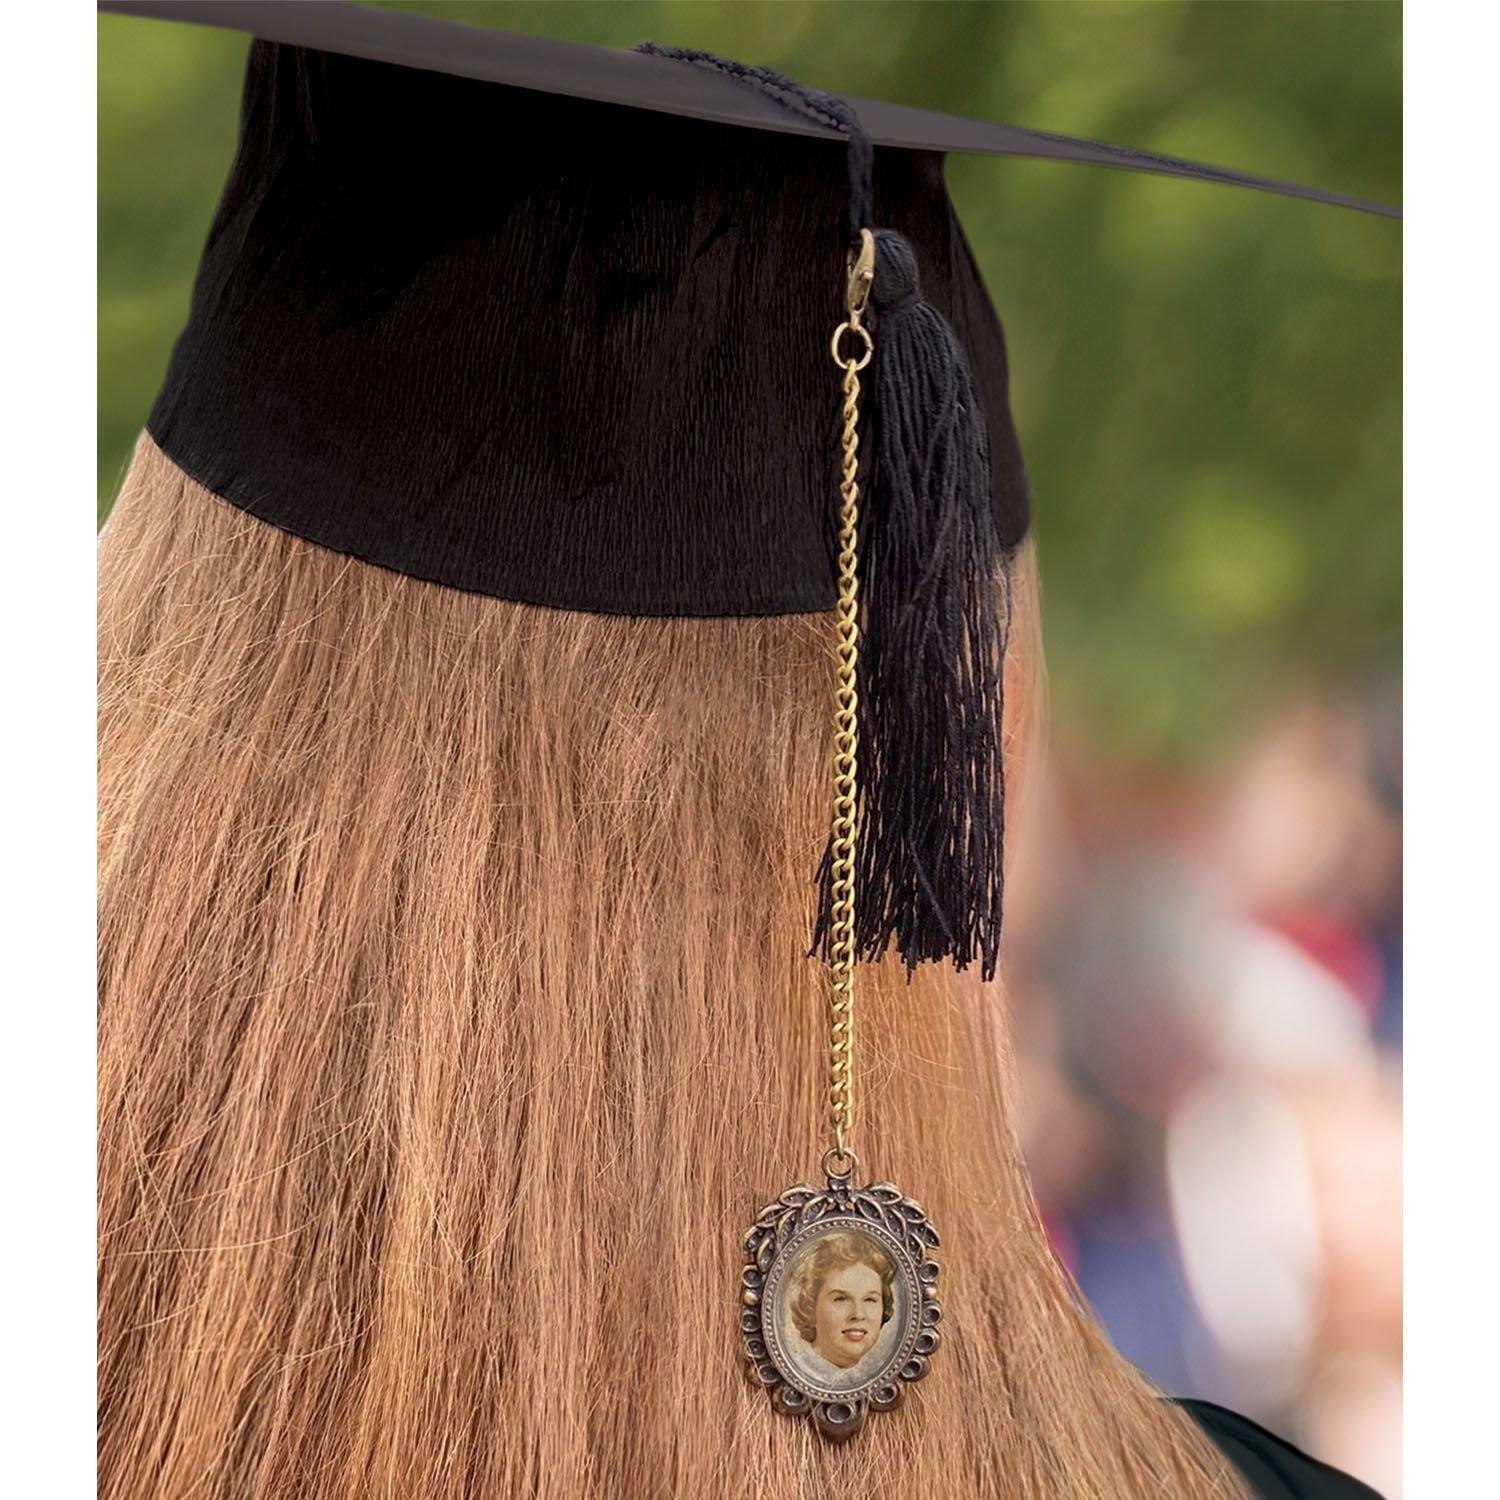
<point x="840" y="1319"/>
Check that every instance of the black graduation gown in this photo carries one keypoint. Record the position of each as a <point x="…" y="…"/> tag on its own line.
<point x="1273" y="1469"/>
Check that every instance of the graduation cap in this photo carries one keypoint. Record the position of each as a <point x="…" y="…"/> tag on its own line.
<point x="550" y="322"/>
<point x="553" y="323"/>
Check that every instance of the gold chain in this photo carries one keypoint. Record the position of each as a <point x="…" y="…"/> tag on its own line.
<point x="846" y="721"/>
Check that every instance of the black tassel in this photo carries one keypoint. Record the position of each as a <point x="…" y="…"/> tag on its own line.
<point x="933" y="627"/>
<point x="935" y="609"/>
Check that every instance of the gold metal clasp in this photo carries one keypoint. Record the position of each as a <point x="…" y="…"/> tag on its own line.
<point x="861" y="277"/>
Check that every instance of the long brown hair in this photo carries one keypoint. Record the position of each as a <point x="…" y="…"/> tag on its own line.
<point x="456" y="1016"/>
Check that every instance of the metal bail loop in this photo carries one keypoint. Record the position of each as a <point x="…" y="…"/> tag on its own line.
<point x="838" y="1166"/>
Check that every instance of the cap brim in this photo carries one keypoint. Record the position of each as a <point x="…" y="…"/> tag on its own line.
<point x="643" y="82"/>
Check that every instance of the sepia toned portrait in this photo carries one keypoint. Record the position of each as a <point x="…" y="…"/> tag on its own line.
<point x="842" y="1308"/>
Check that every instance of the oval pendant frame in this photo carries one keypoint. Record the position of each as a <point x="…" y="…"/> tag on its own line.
<point x="899" y="1225"/>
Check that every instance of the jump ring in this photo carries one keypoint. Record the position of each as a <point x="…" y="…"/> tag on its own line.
<point x="838" y="334"/>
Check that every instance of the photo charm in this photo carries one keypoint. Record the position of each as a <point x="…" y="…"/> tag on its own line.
<point x="839" y="1299"/>
<point x="839" y="1309"/>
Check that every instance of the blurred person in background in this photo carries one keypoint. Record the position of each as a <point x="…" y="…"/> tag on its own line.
<point x="1208" y="980"/>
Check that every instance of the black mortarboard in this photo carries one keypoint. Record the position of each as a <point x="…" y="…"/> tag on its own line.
<point x="550" y="322"/>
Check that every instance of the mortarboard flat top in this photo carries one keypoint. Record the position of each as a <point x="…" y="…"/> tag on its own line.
<point x="642" y="82"/>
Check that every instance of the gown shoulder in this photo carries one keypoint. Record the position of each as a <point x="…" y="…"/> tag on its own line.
<point x="1273" y="1469"/>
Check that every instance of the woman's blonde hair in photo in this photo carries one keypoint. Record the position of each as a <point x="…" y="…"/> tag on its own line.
<point x="455" y="1017"/>
<point x="836" y="1252"/>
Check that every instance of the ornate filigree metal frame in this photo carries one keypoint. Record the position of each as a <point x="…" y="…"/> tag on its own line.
<point x="896" y="1222"/>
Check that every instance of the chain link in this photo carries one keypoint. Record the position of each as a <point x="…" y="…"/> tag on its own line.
<point x="846" y="722"/>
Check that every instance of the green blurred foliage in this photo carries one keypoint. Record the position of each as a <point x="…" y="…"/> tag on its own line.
<point x="1207" y="381"/>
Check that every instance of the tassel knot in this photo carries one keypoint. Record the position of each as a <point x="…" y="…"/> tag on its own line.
<point x="898" y="284"/>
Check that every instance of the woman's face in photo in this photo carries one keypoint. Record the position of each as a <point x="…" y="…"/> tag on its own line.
<point x="848" y="1314"/>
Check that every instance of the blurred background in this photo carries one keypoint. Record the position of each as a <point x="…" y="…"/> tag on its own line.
<point x="1204" y="946"/>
